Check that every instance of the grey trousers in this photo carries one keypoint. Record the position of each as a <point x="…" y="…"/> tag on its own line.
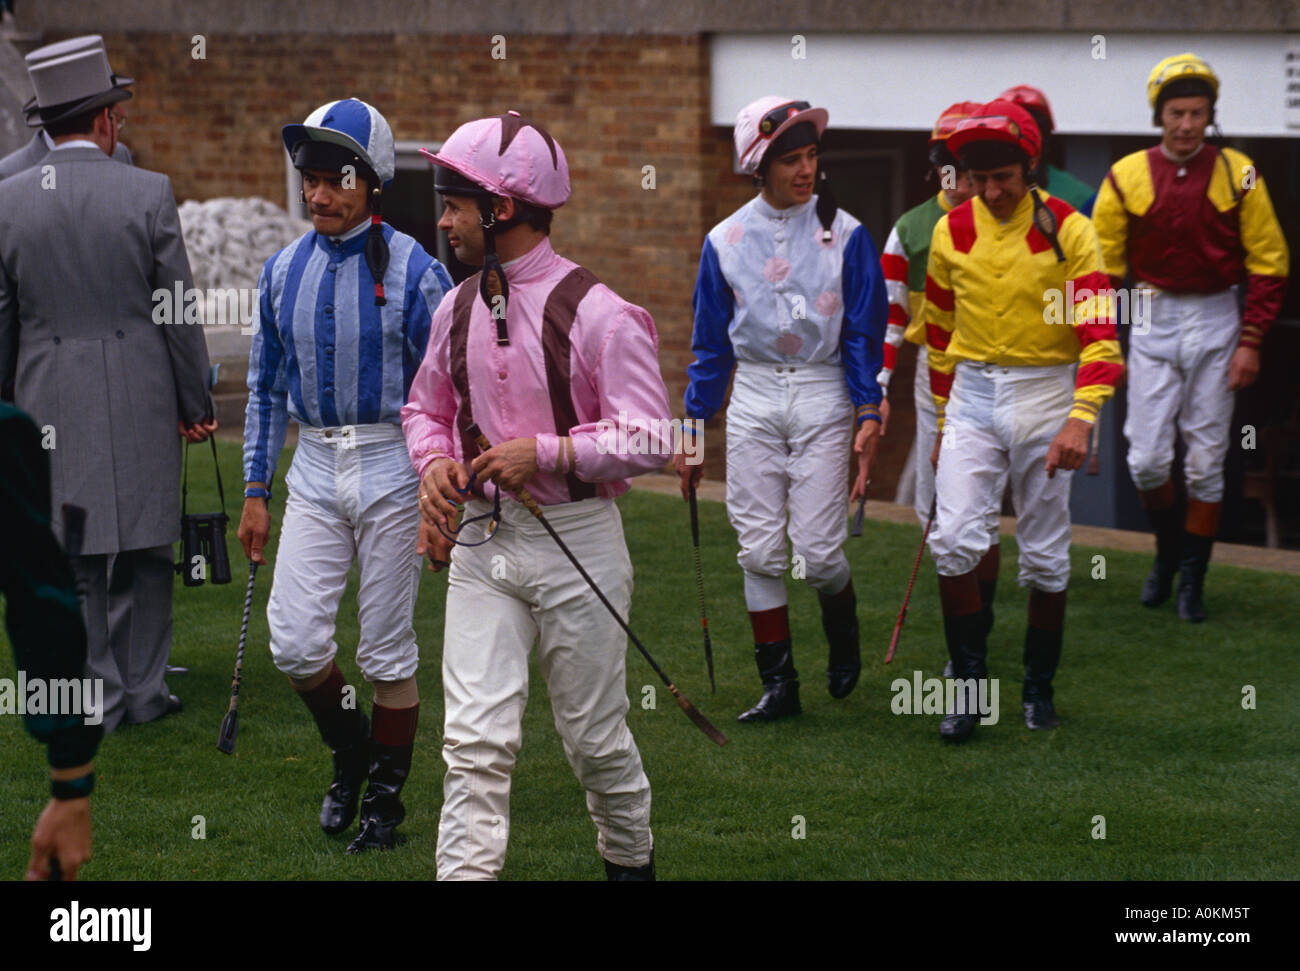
<point x="127" y="604"/>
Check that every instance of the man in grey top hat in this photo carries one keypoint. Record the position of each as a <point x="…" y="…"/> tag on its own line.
<point x="41" y="144"/>
<point x="84" y="246"/>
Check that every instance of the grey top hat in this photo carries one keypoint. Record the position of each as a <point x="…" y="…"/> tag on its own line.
<point x="71" y="77"/>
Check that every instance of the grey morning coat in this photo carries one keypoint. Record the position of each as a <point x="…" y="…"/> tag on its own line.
<point x="79" y="263"/>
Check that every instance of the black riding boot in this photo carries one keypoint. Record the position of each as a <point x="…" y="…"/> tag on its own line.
<point x="630" y="874"/>
<point x="780" y="683"/>
<point x="347" y="732"/>
<point x="840" y="622"/>
<point x="381" y="809"/>
<point x="1168" y="525"/>
<point x="1191" y="578"/>
<point x="1042" y="655"/>
<point x="988" y="592"/>
<point x="340" y="805"/>
<point x="967" y="649"/>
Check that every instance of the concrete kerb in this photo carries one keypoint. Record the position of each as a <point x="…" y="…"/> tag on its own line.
<point x="1129" y="541"/>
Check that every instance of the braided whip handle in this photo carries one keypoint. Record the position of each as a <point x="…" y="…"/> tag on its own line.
<point x="243" y="634"/>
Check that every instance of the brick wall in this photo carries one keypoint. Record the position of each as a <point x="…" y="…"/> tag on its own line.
<point x="616" y="104"/>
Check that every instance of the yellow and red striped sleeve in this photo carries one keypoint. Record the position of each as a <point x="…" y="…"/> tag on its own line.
<point x="1101" y="363"/>
<point x="938" y="311"/>
<point x="1268" y="261"/>
<point x="1110" y="214"/>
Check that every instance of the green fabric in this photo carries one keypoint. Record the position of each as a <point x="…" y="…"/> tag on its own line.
<point x="915" y="227"/>
<point x="1063" y="185"/>
<point x="42" y="611"/>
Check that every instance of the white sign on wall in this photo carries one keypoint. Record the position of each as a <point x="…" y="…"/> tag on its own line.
<point x="1292" y="112"/>
<point x="1096" y="82"/>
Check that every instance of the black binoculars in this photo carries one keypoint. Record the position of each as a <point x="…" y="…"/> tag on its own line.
<point x="203" y="535"/>
<point x="203" y="549"/>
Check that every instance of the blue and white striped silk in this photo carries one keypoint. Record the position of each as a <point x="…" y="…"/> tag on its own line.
<point x="322" y="352"/>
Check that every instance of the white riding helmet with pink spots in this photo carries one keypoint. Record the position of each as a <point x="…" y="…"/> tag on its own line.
<point x="762" y="122"/>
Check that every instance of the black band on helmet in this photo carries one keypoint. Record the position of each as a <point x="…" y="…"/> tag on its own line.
<point x="449" y="182"/>
<point x="1185" y="88"/>
<point x="329" y="157"/>
<point x="794" y="137"/>
<point x="987" y="154"/>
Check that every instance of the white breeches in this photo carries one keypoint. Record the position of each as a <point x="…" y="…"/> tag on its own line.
<point x="502" y="597"/>
<point x="788" y="443"/>
<point x="1178" y="377"/>
<point x="323" y="534"/>
<point x="1000" y="422"/>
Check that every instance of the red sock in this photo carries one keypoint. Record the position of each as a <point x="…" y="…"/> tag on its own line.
<point x="770" y="625"/>
<point x="394" y="726"/>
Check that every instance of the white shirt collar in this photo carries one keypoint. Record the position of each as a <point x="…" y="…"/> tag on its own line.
<point x="49" y="142"/>
<point x="356" y="230"/>
<point x="1180" y="161"/>
<point x="789" y="212"/>
<point x="75" y="143"/>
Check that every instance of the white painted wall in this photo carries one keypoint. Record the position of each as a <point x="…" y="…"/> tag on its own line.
<point x="904" y="80"/>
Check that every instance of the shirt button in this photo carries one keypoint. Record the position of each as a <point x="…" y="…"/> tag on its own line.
<point x="120" y="334"/>
<point x="57" y="341"/>
<point x="329" y="310"/>
<point x="333" y="267"/>
<point x="501" y="375"/>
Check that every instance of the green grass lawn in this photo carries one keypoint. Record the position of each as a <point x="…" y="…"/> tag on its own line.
<point x="1153" y="737"/>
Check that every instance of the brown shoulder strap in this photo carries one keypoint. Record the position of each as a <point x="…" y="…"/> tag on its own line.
<point x="557" y="321"/>
<point x="459" y="363"/>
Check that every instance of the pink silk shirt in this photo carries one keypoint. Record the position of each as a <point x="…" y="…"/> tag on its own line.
<point x="611" y="368"/>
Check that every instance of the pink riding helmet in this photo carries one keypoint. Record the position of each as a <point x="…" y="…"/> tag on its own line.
<point x="509" y="156"/>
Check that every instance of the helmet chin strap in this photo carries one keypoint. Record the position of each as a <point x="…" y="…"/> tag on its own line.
<point x="826" y="206"/>
<point x="1046" y="223"/>
<point x="376" y="248"/>
<point x="492" y="284"/>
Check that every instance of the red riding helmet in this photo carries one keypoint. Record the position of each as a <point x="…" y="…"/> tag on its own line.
<point x="951" y="117"/>
<point x="999" y="121"/>
<point x="1031" y="99"/>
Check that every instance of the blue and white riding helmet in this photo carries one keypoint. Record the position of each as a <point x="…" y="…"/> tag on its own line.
<point x="353" y="125"/>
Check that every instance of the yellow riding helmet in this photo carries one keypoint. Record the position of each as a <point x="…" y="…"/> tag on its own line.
<point x="1180" y="67"/>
